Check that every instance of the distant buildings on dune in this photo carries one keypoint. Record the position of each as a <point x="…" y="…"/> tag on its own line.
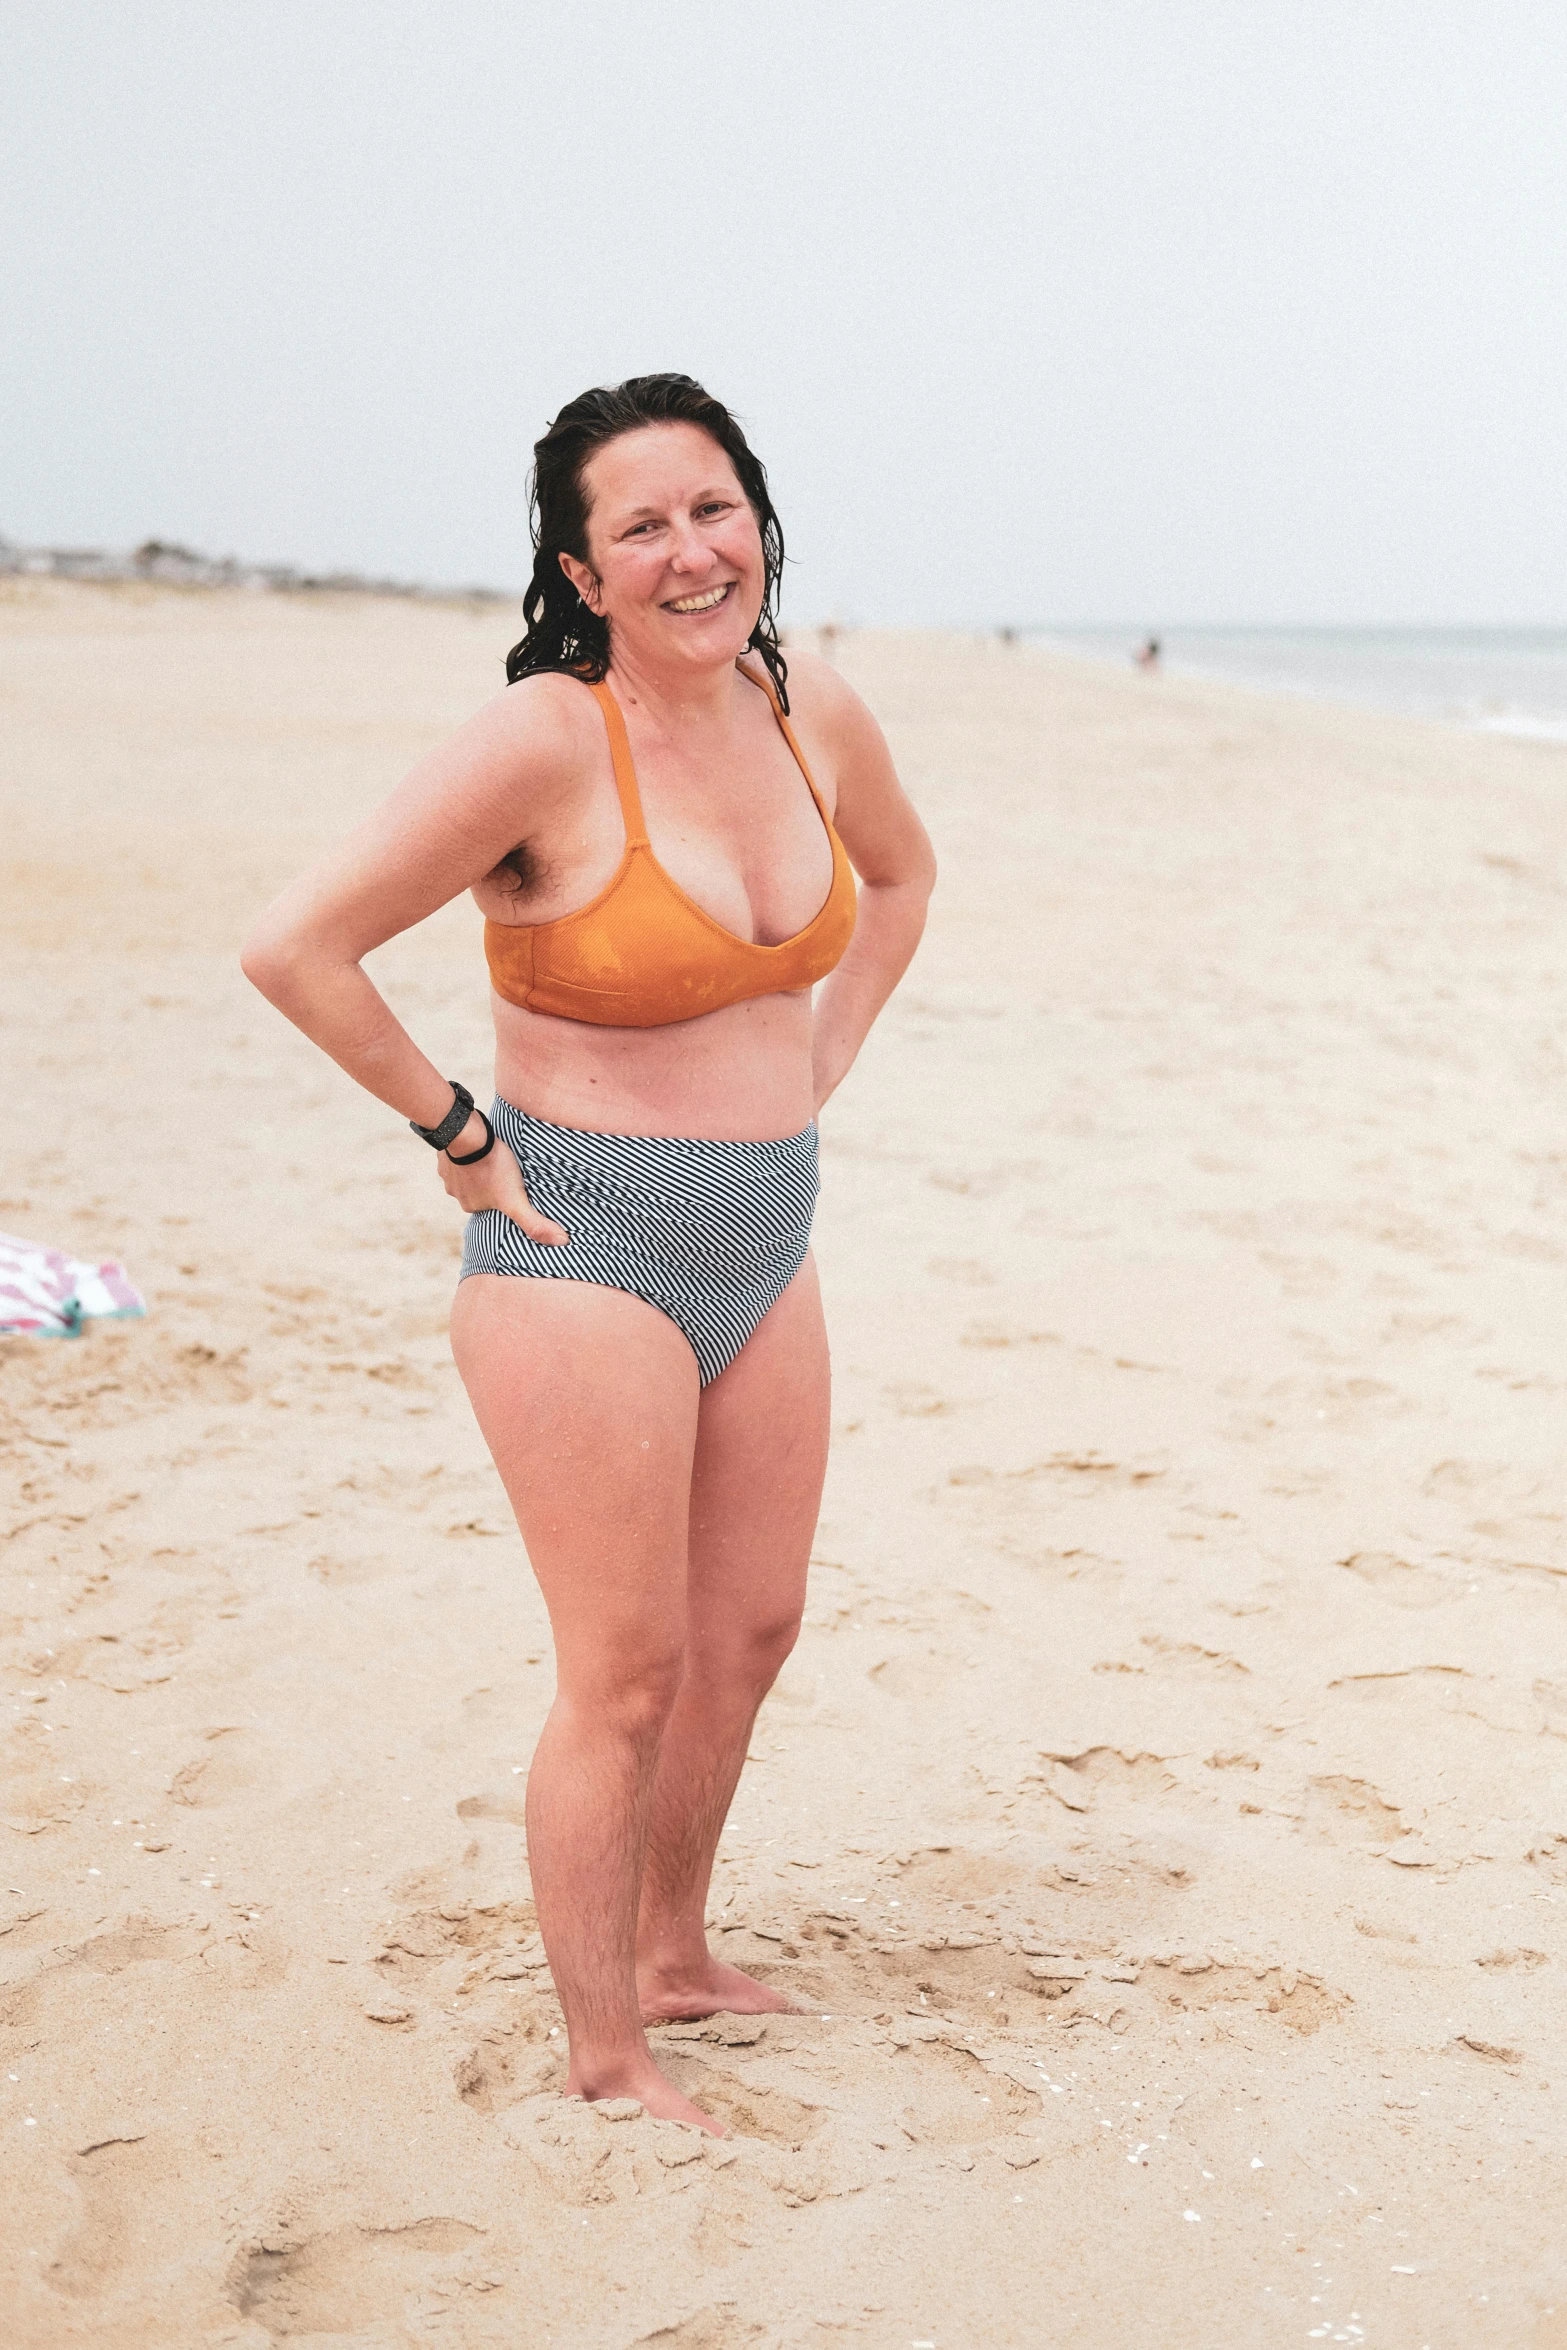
<point x="163" y="563"/>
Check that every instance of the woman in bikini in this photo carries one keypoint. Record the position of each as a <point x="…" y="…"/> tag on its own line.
<point x="658" y="820"/>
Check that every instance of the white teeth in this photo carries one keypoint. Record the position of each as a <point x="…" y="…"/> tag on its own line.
<point x="702" y="603"/>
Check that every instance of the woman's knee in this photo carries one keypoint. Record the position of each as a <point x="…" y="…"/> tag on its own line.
<point x="628" y="1696"/>
<point x="748" y="1658"/>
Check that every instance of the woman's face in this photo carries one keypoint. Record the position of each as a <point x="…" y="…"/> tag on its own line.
<point x="675" y="554"/>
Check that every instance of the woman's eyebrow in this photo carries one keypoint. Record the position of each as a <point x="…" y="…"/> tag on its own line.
<point x="655" y="513"/>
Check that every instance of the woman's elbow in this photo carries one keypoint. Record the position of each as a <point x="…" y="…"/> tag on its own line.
<point x="269" y="959"/>
<point x="903" y="888"/>
<point x="916" y="860"/>
<point x="917" y="879"/>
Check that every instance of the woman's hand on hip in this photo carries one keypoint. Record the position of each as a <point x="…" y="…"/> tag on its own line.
<point x="496" y="1182"/>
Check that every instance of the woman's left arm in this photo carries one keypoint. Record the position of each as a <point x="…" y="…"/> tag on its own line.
<point x="891" y="852"/>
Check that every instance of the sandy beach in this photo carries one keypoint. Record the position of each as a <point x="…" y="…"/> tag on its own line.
<point x="1162" y="1824"/>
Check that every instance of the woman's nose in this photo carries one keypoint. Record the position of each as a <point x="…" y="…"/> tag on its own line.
<point x="690" y="551"/>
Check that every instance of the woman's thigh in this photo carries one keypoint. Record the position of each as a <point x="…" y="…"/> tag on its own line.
<point x="756" y="1482"/>
<point x="588" y="1401"/>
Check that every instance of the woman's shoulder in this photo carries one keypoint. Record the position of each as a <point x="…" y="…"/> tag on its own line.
<point x="549" y="697"/>
<point x="814" y="683"/>
<point x="548" y="718"/>
<point x="823" y="704"/>
<point x="820" y="701"/>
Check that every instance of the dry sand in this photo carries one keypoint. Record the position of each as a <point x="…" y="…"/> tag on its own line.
<point x="1164" y="1819"/>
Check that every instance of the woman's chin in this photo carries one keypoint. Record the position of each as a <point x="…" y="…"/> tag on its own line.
<point x="709" y="647"/>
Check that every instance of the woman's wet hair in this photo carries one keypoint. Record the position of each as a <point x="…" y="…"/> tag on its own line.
<point x="563" y="633"/>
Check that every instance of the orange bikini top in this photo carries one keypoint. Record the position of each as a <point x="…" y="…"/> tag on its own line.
<point x="642" y="954"/>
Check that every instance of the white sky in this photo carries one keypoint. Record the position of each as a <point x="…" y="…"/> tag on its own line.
<point x="1143" y="310"/>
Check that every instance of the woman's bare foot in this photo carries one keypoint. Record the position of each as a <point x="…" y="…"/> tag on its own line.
<point x="710" y="1988"/>
<point x="648" y="2086"/>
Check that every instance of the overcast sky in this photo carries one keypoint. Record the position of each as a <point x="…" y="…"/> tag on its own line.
<point x="1141" y="310"/>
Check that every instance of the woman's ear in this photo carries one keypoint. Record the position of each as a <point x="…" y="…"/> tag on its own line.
<point x="582" y="579"/>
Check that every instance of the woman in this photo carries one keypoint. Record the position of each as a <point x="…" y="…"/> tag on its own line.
<point x="653" y="820"/>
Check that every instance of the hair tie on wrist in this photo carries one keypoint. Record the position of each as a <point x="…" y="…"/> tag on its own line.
<point x="472" y="1158"/>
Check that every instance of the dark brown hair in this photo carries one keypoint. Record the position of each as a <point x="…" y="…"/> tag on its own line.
<point x="563" y="633"/>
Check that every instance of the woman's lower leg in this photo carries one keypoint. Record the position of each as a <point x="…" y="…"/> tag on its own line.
<point x="757" y="1473"/>
<point x="588" y="1792"/>
<point x="587" y="1808"/>
<point x="699" y="1766"/>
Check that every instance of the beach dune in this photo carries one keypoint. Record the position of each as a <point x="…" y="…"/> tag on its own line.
<point x="1162" y="1825"/>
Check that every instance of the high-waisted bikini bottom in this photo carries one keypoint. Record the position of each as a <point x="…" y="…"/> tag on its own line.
<point x="712" y="1233"/>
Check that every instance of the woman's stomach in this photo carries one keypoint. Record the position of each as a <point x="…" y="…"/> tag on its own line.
<point x="742" y="1074"/>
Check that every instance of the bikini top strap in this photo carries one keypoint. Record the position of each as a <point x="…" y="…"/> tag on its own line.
<point x="625" y="772"/>
<point x="766" y="685"/>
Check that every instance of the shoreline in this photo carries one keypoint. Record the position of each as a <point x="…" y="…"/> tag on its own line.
<point x="1492" y="716"/>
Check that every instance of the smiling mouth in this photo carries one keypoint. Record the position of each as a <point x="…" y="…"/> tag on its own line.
<point x="708" y="601"/>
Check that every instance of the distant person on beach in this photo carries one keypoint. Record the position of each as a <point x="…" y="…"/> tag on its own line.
<point x="1147" y="653"/>
<point x="658" y="821"/>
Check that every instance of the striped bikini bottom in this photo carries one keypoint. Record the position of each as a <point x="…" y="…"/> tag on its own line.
<point x="712" y="1233"/>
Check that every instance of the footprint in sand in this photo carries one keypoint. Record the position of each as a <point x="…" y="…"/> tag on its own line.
<point x="912" y="1676"/>
<point x="582" y="2154"/>
<point x="131" y="2218"/>
<point x="42" y="1791"/>
<point x="508" y="2065"/>
<point x="137" y="1941"/>
<point x="440" y="1929"/>
<point x="1458" y="1478"/>
<point x="949" y="2098"/>
<point x="1114" y="1771"/>
<point x="1194" y="1983"/>
<point x="1342" y="1810"/>
<point x="348" y="2279"/>
<point x="234" y="1763"/>
<point x="951" y="1873"/>
<point x="123" y="1664"/>
<point x="745" y="2107"/>
<point x="718" y="2327"/>
<point x="780" y="2147"/>
<point x="1401" y="1581"/>
<point x="489" y="1953"/>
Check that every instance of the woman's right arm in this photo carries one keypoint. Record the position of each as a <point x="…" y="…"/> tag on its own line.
<point x="452" y="821"/>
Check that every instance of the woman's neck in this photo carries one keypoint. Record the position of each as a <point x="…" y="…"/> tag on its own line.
<point x="676" y="698"/>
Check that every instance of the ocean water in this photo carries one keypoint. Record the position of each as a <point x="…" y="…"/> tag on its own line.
<point x="1508" y="680"/>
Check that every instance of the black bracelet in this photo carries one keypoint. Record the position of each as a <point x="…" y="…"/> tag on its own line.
<point x="454" y="1121"/>
<point x="484" y="1150"/>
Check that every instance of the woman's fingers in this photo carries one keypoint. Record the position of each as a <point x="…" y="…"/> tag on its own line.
<point x="497" y="1183"/>
<point x="523" y="1212"/>
<point x="514" y="1202"/>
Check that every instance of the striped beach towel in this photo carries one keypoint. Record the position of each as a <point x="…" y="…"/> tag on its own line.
<point x="46" y="1294"/>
